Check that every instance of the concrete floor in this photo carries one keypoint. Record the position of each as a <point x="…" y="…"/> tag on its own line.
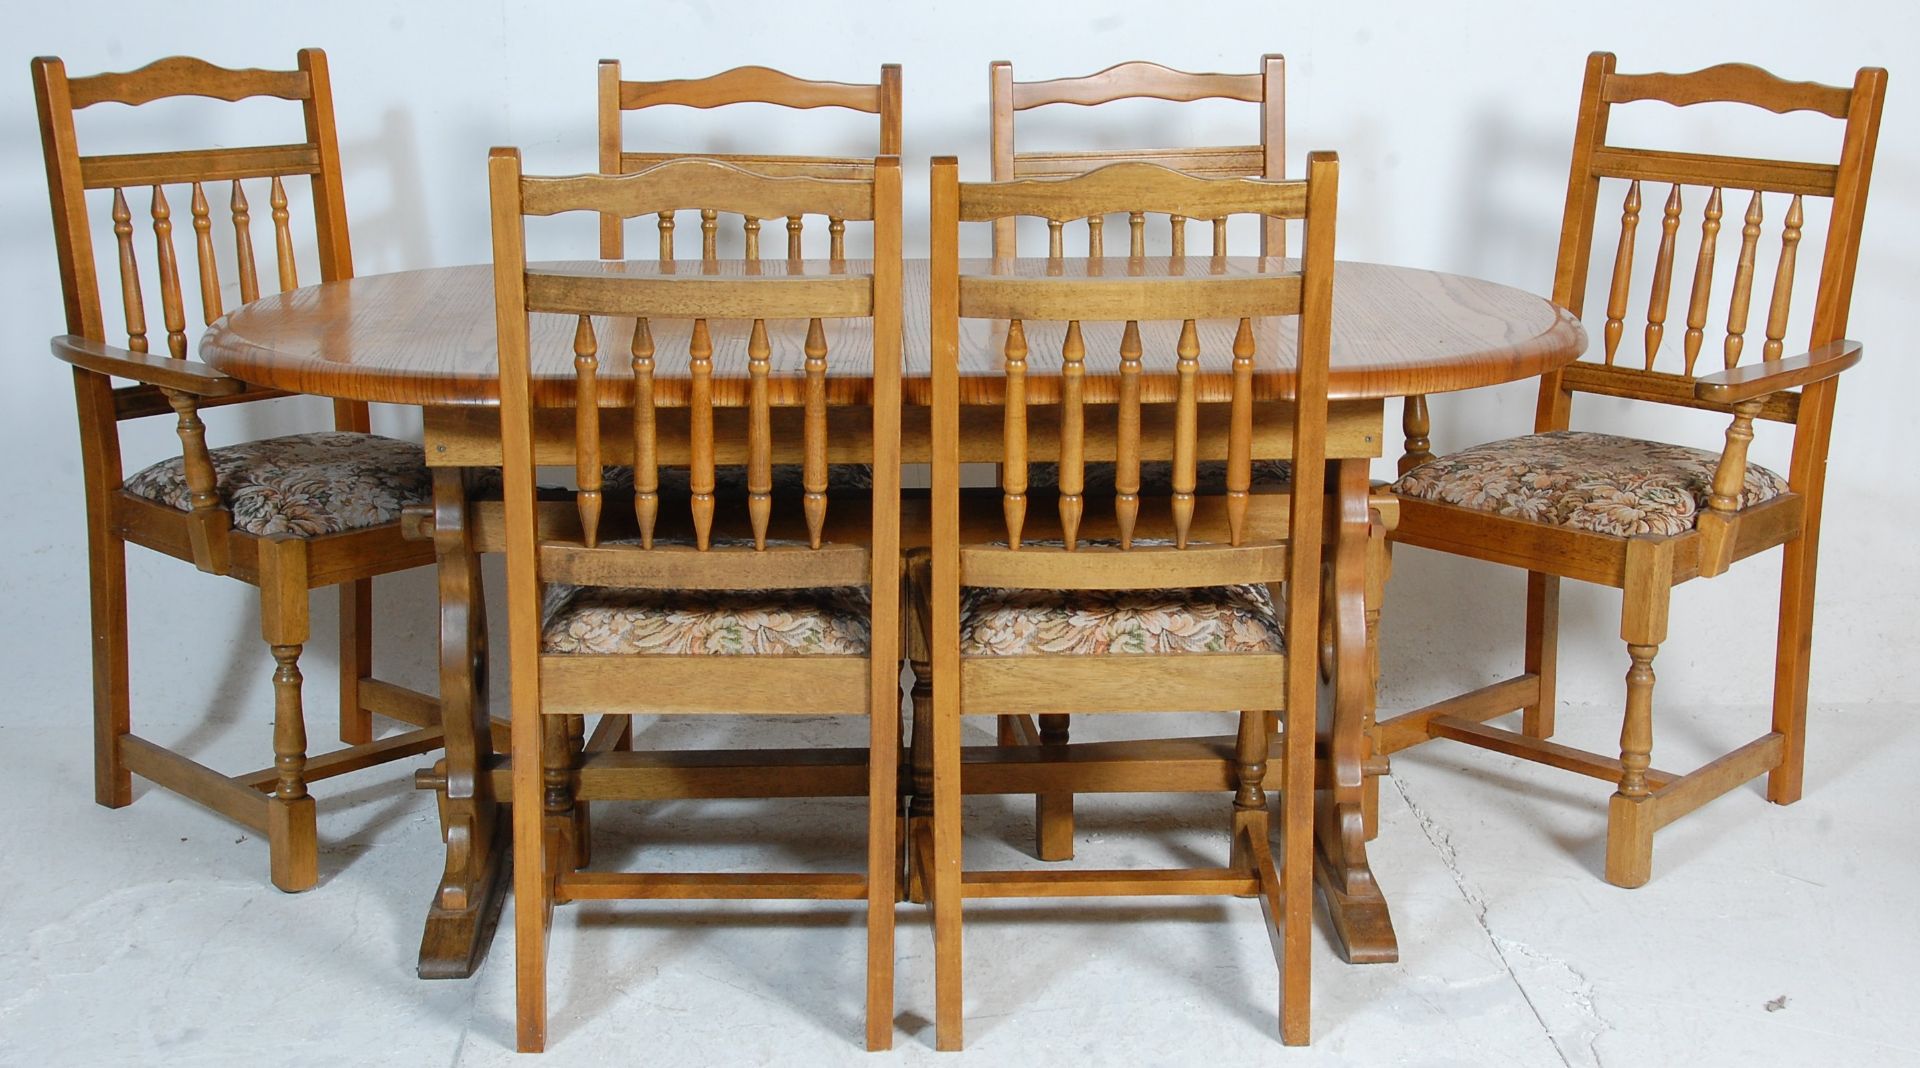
<point x="1768" y="935"/>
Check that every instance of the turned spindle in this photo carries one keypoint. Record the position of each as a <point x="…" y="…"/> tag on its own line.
<point x="646" y="456"/>
<point x="1240" y="434"/>
<point x="1622" y="272"/>
<point x="813" y="474"/>
<point x="700" y="418"/>
<point x="586" y="428"/>
<point x="171" y="311"/>
<point x="759" y="435"/>
<point x="1186" y="431"/>
<point x="1126" y="466"/>
<point x="130" y="299"/>
<point x="1743" y="281"/>
<point x="1073" y="421"/>
<point x="1013" y="467"/>
<point x="1662" y="276"/>
<point x="1702" y="280"/>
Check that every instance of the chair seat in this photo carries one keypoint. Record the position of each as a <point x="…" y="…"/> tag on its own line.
<point x="603" y="620"/>
<point x="1585" y="481"/>
<point x="1156" y="477"/>
<point x="1216" y="619"/>
<point x="302" y="484"/>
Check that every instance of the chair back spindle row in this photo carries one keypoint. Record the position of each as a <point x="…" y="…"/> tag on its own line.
<point x="197" y="177"/>
<point x="1709" y="186"/>
<point x="588" y="294"/>
<point x="1135" y="81"/>
<point x="738" y="86"/>
<point x="1006" y="294"/>
<point x="1700" y="291"/>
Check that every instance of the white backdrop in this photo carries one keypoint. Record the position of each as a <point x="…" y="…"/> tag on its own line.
<point x="1453" y="130"/>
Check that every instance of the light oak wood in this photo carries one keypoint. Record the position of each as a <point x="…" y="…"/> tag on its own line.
<point x="1397" y="330"/>
<point x="741" y="85"/>
<point x="982" y="684"/>
<point x="1132" y="303"/>
<point x="285" y="569"/>
<point x="1128" y="882"/>
<point x="710" y="886"/>
<point x="1646" y="567"/>
<point x="553" y="692"/>
<point x="422" y="338"/>
<point x="1135" y="81"/>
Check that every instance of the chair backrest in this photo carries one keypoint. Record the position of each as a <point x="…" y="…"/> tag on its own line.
<point x="229" y="171"/>
<point x="1742" y="194"/>
<point x="1239" y="307"/>
<point x="1135" y="81"/>
<point x="667" y="328"/>
<point x="741" y="85"/>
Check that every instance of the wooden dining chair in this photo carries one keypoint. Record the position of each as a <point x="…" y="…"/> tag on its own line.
<point x="1151" y="605"/>
<point x="1644" y="516"/>
<point x="694" y="607"/>
<point x="285" y="514"/>
<point x="1136" y="80"/>
<point x="741" y="85"/>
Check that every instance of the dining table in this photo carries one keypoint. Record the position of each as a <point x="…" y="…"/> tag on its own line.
<point x="426" y="338"/>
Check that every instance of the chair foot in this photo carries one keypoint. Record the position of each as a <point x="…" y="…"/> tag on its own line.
<point x="1784" y="785"/>
<point x="113" y="784"/>
<point x="1053" y="826"/>
<point x="1629" y="841"/>
<point x="916" y="878"/>
<point x="1788" y="778"/>
<point x="293" y="843"/>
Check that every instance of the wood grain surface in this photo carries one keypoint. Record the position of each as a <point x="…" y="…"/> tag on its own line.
<point x="427" y="337"/>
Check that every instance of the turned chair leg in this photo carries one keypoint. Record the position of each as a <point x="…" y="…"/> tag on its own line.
<point x="1791" y="661"/>
<point x="1630" y="813"/>
<point x="580" y="833"/>
<point x="563" y="815"/>
<point x="112" y="712"/>
<point x="356" y="659"/>
<point x="1543" y="641"/>
<point x="292" y="838"/>
<point x="1250" y="796"/>
<point x="1643" y="625"/>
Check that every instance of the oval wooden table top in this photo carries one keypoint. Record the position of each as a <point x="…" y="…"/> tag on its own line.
<point x="427" y="337"/>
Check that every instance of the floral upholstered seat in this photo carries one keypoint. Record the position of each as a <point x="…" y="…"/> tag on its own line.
<point x="1218" y="619"/>
<point x="596" y="619"/>
<point x="1156" y="477"/>
<point x="302" y="484"/>
<point x="1585" y="481"/>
